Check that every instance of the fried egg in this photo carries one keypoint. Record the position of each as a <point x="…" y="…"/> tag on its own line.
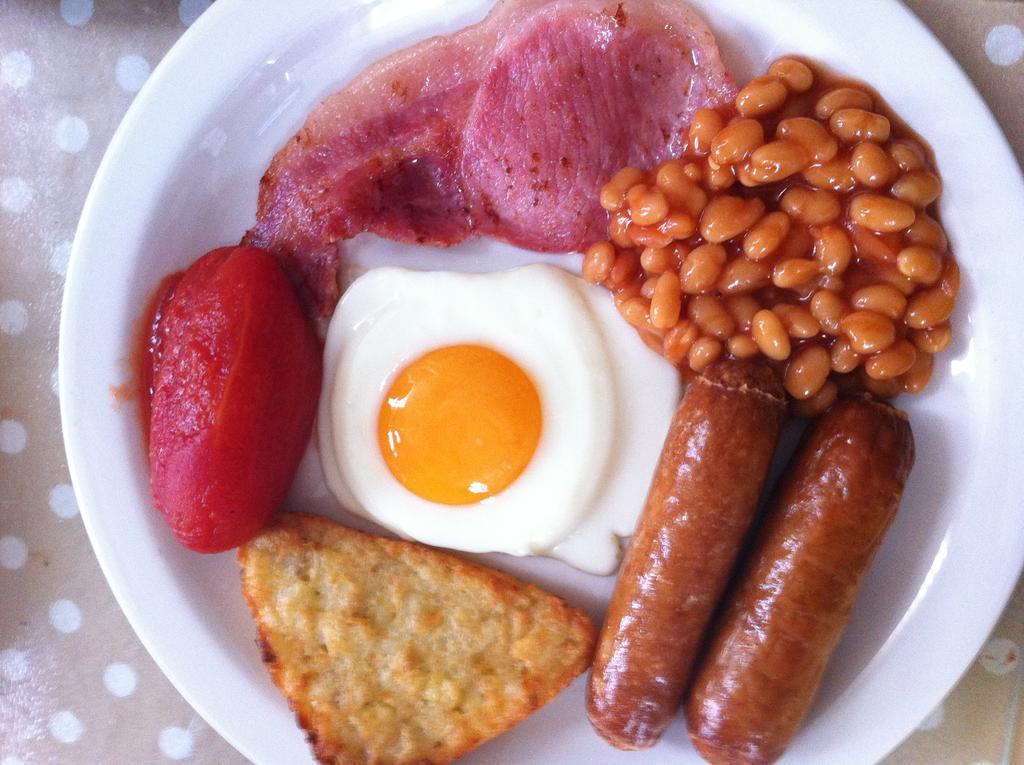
<point x="505" y="412"/>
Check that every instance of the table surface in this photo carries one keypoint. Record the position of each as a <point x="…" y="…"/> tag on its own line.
<point x="76" y="686"/>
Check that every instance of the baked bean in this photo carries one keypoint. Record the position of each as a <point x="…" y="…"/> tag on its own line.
<point x="694" y="172"/>
<point x="798" y="243"/>
<point x="915" y="379"/>
<point x="880" y="388"/>
<point x="928" y="308"/>
<point x="678" y="341"/>
<point x="705" y="126"/>
<point x="719" y="177"/>
<point x="797" y="320"/>
<point x="880" y="213"/>
<point x="895" y="360"/>
<point x="795" y="74"/>
<point x="656" y="260"/>
<point x="920" y="264"/>
<point x="934" y="339"/>
<point x="765" y="236"/>
<point x="650" y="236"/>
<point x="829" y="309"/>
<point x="872" y="245"/>
<point x="681" y="191"/>
<point x="809" y="134"/>
<point x="647" y="206"/>
<point x="880" y="298"/>
<point x="701" y="268"/>
<point x="819" y="402"/>
<point x="648" y="286"/>
<point x="833" y="249"/>
<point x="891" y="275"/>
<point x="842" y="98"/>
<point x="777" y="160"/>
<point x="678" y="225"/>
<point x="625" y="267"/>
<point x="810" y="206"/>
<point x="703" y="353"/>
<point x="868" y="332"/>
<point x="928" y="232"/>
<point x="635" y="310"/>
<point x="842" y="356"/>
<point x="619" y="230"/>
<point x="613" y="193"/>
<point x="949" y="282"/>
<point x="852" y="125"/>
<point x="907" y="156"/>
<point x="742" y="309"/>
<point x="872" y="166"/>
<point x="834" y="175"/>
<point x="770" y="336"/>
<point x="627" y="291"/>
<point x="597" y="263"/>
<point x="667" y="301"/>
<point x="651" y="340"/>
<point x="742" y="347"/>
<point x="741" y="275"/>
<point x="760" y="96"/>
<point x="828" y="282"/>
<point x="710" y="315"/>
<point x="736" y="141"/>
<point x="807" y="371"/>
<point x="726" y="217"/>
<point x="790" y="273"/>
<point x="918" y="188"/>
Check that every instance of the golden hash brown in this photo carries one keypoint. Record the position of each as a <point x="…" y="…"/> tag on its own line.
<point x="392" y="653"/>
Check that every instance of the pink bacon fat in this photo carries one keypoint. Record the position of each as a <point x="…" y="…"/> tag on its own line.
<point x="507" y="128"/>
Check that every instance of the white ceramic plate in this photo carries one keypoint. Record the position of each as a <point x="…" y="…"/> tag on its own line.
<point x="180" y="177"/>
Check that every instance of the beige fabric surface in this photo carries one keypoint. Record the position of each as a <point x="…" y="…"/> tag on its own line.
<point x="75" y="684"/>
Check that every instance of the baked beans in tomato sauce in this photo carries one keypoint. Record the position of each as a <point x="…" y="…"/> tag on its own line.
<point x="799" y="225"/>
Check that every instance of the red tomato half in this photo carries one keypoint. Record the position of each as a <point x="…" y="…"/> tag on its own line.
<point x="235" y="382"/>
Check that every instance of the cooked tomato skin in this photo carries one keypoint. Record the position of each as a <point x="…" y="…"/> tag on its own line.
<point x="235" y="383"/>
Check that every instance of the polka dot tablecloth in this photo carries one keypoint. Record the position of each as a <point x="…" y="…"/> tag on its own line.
<point x="75" y="684"/>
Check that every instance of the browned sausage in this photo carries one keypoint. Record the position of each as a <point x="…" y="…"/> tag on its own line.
<point x="794" y="596"/>
<point x="702" y="498"/>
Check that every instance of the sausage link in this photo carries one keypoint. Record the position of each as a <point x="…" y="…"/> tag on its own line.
<point x="794" y="597"/>
<point x="701" y="502"/>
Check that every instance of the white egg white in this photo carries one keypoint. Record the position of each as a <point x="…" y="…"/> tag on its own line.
<point x="606" y="398"/>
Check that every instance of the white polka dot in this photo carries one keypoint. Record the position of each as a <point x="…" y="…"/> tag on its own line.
<point x="63" y="502"/>
<point x="13" y="317"/>
<point x="59" y="257"/>
<point x="999" y="656"/>
<point x="65" y="616"/>
<point x="175" y="743"/>
<point x="132" y="72"/>
<point x="55" y="382"/>
<point x="15" y="195"/>
<point x="1004" y="45"/>
<point x="71" y="134"/>
<point x="12" y="761"/>
<point x="120" y="680"/>
<point x="190" y="10"/>
<point x="13" y="665"/>
<point x="16" y="69"/>
<point x="13" y="552"/>
<point x="66" y="727"/>
<point x="12" y="437"/>
<point x="76" y="12"/>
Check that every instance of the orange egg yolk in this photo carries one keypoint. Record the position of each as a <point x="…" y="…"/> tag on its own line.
<point x="459" y="424"/>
